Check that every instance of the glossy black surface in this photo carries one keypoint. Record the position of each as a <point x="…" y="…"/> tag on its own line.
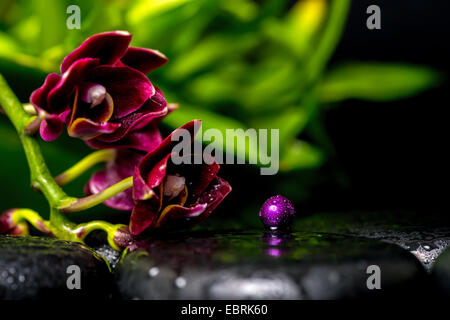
<point x="254" y="265"/>
<point x="36" y="268"/>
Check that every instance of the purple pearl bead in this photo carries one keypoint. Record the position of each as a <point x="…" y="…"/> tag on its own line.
<point x="277" y="212"/>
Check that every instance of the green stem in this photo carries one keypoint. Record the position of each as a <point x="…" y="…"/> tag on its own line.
<point x="21" y="229"/>
<point x="85" y="164"/>
<point x="39" y="172"/>
<point x="22" y="216"/>
<point x="27" y="215"/>
<point x="83" y="229"/>
<point x="97" y="198"/>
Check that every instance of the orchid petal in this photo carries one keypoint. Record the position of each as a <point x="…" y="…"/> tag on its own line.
<point x="39" y="96"/>
<point x="86" y="129"/>
<point x="58" y="98"/>
<point x="129" y="88"/>
<point x="144" y="60"/>
<point x="108" y="47"/>
<point x="175" y="212"/>
<point x="151" y="110"/>
<point x="146" y="139"/>
<point x="52" y="125"/>
<point x="212" y="196"/>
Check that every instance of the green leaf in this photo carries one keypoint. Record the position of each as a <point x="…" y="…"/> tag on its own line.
<point x="146" y="9"/>
<point x="216" y="121"/>
<point x="8" y="45"/>
<point x="210" y="52"/>
<point x="299" y="27"/>
<point x="272" y="83"/>
<point x="376" y="82"/>
<point x="52" y="18"/>
<point x="245" y="10"/>
<point x="214" y="88"/>
<point x="290" y="122"/>
<point x="300" y="155"/>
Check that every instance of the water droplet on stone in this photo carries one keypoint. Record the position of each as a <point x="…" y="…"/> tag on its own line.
<point x="180" y="282"/>
<point x="153" y="272"/>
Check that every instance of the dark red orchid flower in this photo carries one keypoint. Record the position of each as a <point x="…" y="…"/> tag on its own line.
<point x="167" y="195"/>
<point x="164" y="195"/>
<point x="103" y="95"/>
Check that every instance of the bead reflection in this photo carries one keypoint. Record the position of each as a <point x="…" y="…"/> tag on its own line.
<point x="276" y="243"/>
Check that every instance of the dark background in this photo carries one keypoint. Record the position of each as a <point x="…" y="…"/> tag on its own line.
<point x="388" y="156"/>
<point x="395" y="153"/>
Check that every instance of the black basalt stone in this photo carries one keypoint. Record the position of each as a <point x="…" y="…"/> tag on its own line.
<point x="424" y="236"/>
<point x="253" y="265"/>
<point x="37" y="268"/>
<point x="441" y="272"/>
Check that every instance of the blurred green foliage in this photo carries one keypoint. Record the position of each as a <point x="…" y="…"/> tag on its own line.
<point x="233" y="63"/>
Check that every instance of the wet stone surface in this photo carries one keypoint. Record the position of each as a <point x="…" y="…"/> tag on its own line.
<point x="111" y="255"/>
<point x="36" y="268"/>
<point x="424" y="236"/>
<point x="425" y="244"/>
<point x="256" y="265"/>
<point x="97" y="241"/>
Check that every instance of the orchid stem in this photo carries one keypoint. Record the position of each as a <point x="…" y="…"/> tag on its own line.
<point x="27" y="215"/>
<point x="21" y="229"/>
<point x="85" y="164"/>
<point x="40" y="174"/>
<point x="83" y="229"/>
<point x="97" y="198"/>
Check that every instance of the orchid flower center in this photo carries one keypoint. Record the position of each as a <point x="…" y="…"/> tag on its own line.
<point x="173" y="185"/>
<point x="95" y="95"/>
